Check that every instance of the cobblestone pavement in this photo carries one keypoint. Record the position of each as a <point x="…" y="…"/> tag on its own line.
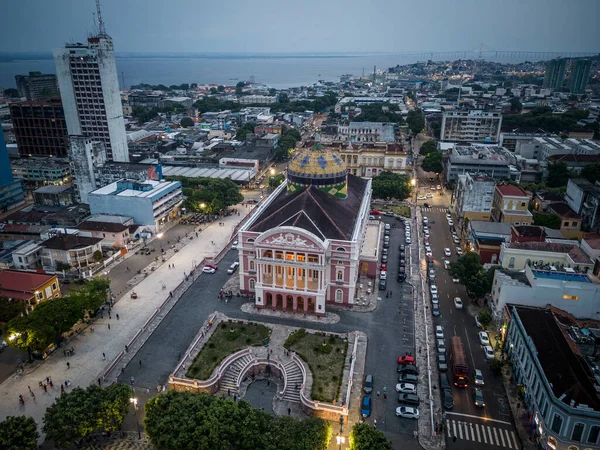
<point x="329" y="318"/>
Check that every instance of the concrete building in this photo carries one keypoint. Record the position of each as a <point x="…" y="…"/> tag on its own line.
<point x="548" y="255"/>
<point x="309" y="241"/>
<point x="181" y="101"/>
<point x="544" y="347"/>
<point x="486" y="239"/>
<point x="510" y="140"/>
<point x="583" y="197"/>
<point x="72" y="249"/>
<point x="511" y="205"/>
<point x="40" y="127"/>
<point x="150" y="203"/>
<point x="53" y="195"/>
<point x="257" y="99"/>
<point x="110" y="172"/>
<point x="368" y="160"/>
<point x="89" y="88"/>
<point x="555" y="74"/>
<point x="496" y="162"/>
<point x="368" y="132"/>
<point x="473" y="197"/>
<point x="37" y="85"/>
<point x="29" y="288"/>
<point x="86" y="154"/>
<point x="11" y="190"/>
<point x="36" y="172"/>
<point x="570" y="221"/>
<point x="28" y="256"/>
<point x="471" y="126"/>
<point x="113" y="234"/>
<point x="145" y="99"/>
<point x="580" y="75"/>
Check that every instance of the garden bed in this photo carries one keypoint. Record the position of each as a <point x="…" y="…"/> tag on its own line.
<point x="224" y="342"/>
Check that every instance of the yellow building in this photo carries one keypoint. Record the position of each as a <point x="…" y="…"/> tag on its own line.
<point x="511" y="205"/>
<point x="369" y="160"/>
<point x="29" y="287"/>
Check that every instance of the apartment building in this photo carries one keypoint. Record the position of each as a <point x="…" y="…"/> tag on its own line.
<point x="583" y="198"/>
<point x="367" y="132"/>
<point x="471" y="126"/>
<point x="511" y="205"/>
<point x="473" y="197"/>
<point x="37" y="85"/>
<point x="496" y="162"/>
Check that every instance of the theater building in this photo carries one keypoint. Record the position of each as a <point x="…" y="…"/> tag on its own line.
<point x="302" y="249"/>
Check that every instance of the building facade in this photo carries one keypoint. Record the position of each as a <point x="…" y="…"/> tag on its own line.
<point x="511" y="205"/>
<point x="564" y="411"/>
<point x="368" y="132"/>
<point x="471" y="126"/>
<point x="151" y="203"/>
<point x="257" y="99"/>
<point x="36" y="172"/>
<point x="40" y="127"/>
<point x="76" y="251"/>
<point x="580" y="75"/>
<point x="486" y="239"/>
<point x="369" y="160"/>
<point x="37" y="85"/>
<point x="11" y="190"/>
<point x="555" y="74"/>
<point x="29" y="287"/>
<point x="303" y="248"/>
<point x="583" y="197"/>
<point x="473" y="197"/>
<point x="551" y="255"/>
<point x="496" y="162"/>
<point x="85" y="155"/>
<point x="89" y="88"/>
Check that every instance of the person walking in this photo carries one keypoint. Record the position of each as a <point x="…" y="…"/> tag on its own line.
<point x="117" y="317"/>
<point x="68" y="365"/>
<point x="99" y="382"/>
<point x="103" y="356"/>
<point x="46" y="387"/>
<point x="108" y="326"/>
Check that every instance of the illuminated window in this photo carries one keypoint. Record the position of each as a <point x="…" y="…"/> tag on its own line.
<point x="340" y="275"/>
<point x="571" y="297"/>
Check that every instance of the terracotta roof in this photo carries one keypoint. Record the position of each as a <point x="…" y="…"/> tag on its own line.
<point x="563" y="210"/>
<point x="315" y="211"/>
<point x="69" y="242"/>
<point x="510" y="190"/>
<point x="593" y="240"/>
<point x="22" y="285"/>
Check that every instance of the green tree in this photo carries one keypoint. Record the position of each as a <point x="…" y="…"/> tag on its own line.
<point x="248" y="127"/>
<point x="98" y="256"/>
<point x="496" y="366"/>
<point x="547" y="220"/>
<point x="239" y="88"/>
<point x="11" y="93"/>
<point x="9" y="309"/>
<point x="213" y="90"/>
<point x="18" y="433"/>
<point x="433" y="162"/>
<point x="221" y="88"/>
<point x="415" y="121"/>
<point x="428" y="147"/>
<point x="558" y="174"/>
<point x="515" y="105"/>
<point x="365" y="436"/>
<point x="591" y="172"/>
<point x="379" y="112"/>
<point x="276" y="180"/>
<point x="470" y="272"/>
<point x="283" y="98"/>
<point x="214" y="193"/>
<point x="187" y="122"/>
<point x="485" y="318"/>
<point x="391" y="185"/>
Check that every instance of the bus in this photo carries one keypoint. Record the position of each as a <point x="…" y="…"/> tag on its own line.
<point x="458" y="361"/>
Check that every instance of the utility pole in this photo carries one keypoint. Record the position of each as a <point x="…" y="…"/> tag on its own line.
<point x="102" y="30"/>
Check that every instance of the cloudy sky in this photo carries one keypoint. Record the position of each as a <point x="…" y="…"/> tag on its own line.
<point x="306" y="25"/>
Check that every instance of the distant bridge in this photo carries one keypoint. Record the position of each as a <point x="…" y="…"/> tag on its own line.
<point x="491" y="54"/>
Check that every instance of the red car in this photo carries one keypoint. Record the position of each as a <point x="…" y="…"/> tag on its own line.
<point x="383" y="267"/>
<point x="406" y="360"/>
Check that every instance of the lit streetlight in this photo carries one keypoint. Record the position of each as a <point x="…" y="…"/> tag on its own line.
<point x="159" y="235"/>
<point x="340" y="440"/>
<point x="272" y="171"/>
<point x="202" y="205"/>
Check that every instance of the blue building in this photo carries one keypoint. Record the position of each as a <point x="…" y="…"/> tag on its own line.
<point x="151" y="203"/>
<point x="11" y="191"/>
<point x="549" y="353"/>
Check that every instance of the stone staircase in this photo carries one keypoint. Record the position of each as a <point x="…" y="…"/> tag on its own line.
<point x="294" y="377"/>
<point x="229" y="380"/>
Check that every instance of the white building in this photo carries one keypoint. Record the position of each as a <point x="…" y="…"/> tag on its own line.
<point x="257" y="99"/>
<point x="368" y="132"/>
<point x="474" y="195"/>
<point x="471" y="126"/>
<point x="89" y="88"/>
<point x="85" y="154"/>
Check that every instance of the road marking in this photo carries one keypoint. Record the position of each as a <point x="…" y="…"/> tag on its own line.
<point x="454" y="428"/>
<point x="487" y="419"/>
<point x="460" y="431"/>
<point x="478" y="435"/>
<point x="484" y="433"/>
<point x="491" y="435"/>
<point x="508" y="439"/>
<point x="515" y="439"/>
<point x="496" y="437"/>
<point x="502" y="438"/>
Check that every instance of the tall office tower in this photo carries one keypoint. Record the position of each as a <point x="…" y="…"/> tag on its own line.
<point x="37" y="85"/>
<point x="11" y="191"/>
<point x="89" y="87"/>
<point x="555" y="73"/>
<point x="580" y="75"/>
<point x="40" y="128"/>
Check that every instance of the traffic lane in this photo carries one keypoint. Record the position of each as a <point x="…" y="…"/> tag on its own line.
<point x="465" y="325"/>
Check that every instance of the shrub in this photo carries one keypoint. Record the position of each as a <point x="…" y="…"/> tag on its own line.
<point x="294" y="337"/>
<point x="211" y="345"/>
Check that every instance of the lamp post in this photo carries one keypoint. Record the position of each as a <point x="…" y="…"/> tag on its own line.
<point x="135" y="407"/>
<point x="340" y="440"/>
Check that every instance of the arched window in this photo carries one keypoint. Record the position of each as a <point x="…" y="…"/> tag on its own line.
<point x="250" y="240"/>
<point x="593" y="436"/>
<point x="251" y="264"/>
<point x="577" y="432"/>
<point x="251" y="283"/>
<point x="511" y="263"/>
<point x="339" y="296"/>
<point x="340" y="275"/>
<point x="340" y="249"/>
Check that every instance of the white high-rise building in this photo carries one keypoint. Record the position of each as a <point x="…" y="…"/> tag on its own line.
<point x="471" y="126"/>
<point x="89" y="87"/>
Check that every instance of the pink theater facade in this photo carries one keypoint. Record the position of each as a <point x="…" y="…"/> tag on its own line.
<point x="292" y="269"/>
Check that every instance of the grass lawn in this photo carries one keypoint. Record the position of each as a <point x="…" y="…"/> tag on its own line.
<point x="222" y="343"/>
<point x="327" y="368"/>
<point x="403" y="210"/>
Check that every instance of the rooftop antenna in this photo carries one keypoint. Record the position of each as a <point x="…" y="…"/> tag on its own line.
<point x="100" y="21"/>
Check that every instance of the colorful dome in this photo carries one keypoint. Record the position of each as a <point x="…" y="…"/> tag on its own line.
<point x="320" y="167"/>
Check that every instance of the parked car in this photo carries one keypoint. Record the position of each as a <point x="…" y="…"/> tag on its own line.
<point x="433" y="289"/>
<point x="408" y="378"/>
<point x="488" y="352"/>
<point x="435" y="310"/>
<point x="406" y="360"/>
<point x="484" y="339"/>
<point x="383" y="275"/>
<point x="209" y="268"/>
<point x="442" y="362"/>
<point x="365" y="408"/>
<point x="447" y="399"/>
<point x="233" y="267"/>
<point x="477" y="322"/>
<point x="408" y="412"/>
<point x="444" y="383"/>
<point x="382" y="285"/>
<point x="406" y="388"/>
<point x="234" y="245"/>
<point x="478" y="377"/>
<point x="368" y="386"/>
<point x="409" y="399"/>
<point x="447" y="252"/>
<point x="441" y="346"/>
<point x="459" y="251"/>
<point x="439" y="332"/>
<point x="455" y="280"/>
<point x="384" y="258"/>
<point x="402" y="368"/>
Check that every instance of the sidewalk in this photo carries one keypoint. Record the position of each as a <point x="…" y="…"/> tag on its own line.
<point x="111" y="335"/>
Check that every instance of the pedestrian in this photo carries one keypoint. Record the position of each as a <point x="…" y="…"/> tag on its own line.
<point x="45" y="388"/>
<point x="103" y="356"/>
<point x="375" y="423"/>
<point x="33" y="396"/>
<point x="68" y="365"/>
<point x="99" y="382"/>
<point x="117" y="317"/>
<point x="289" y="411"/>
<point x="126" y="348"/>
<point x="173" y="265"/>
<point x="47" y="379"/>
<point x="147" y="391"/>
<point x="228" y="392"/>
<point x="51" y="384"/>
<point x="29" y="387"/>
<point x="109" y="316"/>
<point x="140" y="363"/>
<point x="377" y="394"/>
<point x="62" y="389"/>
<point x="108" y="326"/>
<point x="132" y="380"/>
<point x="40" y="383"/>
<point x="65" y="352"/>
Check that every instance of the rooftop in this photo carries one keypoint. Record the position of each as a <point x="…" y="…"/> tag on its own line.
<point x="576" y="254"/>
<point x="529" y="231"/>
<point x="22" y="285"/>
<point x="237" y="174"/>
<point x="481" y="154"/>
<point x="549" y="195"/>
<point x="69" y="242"/>
<point x="131" y="188"/>
<point x="481" y="228"/>
<point x="51" y="189"/>
<point x="563" y="276"/>
<point x="511" y="190"/>
<point x="585" y="185"/>
<point x="593" y="240"/>
<point x="563" y="210"/>
<point x="564" y="366"/>
<point x="110" y="227"/>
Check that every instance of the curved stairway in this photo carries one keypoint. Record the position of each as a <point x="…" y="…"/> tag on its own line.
<point x="229" y="380"/>
<point x="294" y="377"/>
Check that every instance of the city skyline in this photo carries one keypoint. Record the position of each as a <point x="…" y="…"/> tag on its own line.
<point x="274" y="28"/>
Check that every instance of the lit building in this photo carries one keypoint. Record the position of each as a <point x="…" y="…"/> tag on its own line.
<point x="471" y="126"/>
<point x="76" y="251"/>
<point x="29" y="287"/>
<point x="11" y="191"/>
<point x="368" y="132"/>
<point x="37" y="85"/>
<point x="555" y="255"/>
<point x="36" y="172"/>
<point x="473" y="197"/>
<point x="511" y="205"/>
<point x="369" y="160"/>
<point x="309" y="241"/>
<point x="86" y="154"/>
<point x="497" y="162"/>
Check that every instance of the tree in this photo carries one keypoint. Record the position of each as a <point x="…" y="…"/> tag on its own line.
<point x="283" y="98"/>
<point x="515" y="105"/>
<point x="365" y="436"/>
<point x="187" y="122"/>
<point x="221" y="88"/>
<point x="18" y="433"/>
<point x="185" y="420"/>
<point x="547" y="220"/>
<point x="428" y="147"/>
<point x="470" y="272"/>
<point x="379" y="112"/>
<point x="591" y="172"/>
<point x="213" y="90"/>
<point x="215" y="194"/>
<point x="433" y="162"/>
<point x="391" y="185"/>
<point x="276" y="180"/>
<point x="558" y="174"/>
<point x="81" y="412"/>
<point x="248" y="127"/>
<point x="239" y="88"/>
<point x="415" y="121"/>
<point x="9" y="309"/>
<point x="485" y="319"/>
<point x="496" y="366"/>
<point x="98" y="256"/>
<point x="11" y="93"/>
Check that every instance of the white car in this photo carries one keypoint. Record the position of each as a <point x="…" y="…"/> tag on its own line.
<point x="458" y="304"/>
<point x="438" y="187"/>
<point x="446" y="264"/>
<point x="383" y="275"/>
<point x="207" y="269"/>
<point x="421" y="197"/>
<point x="406" y="388"/>
<point x="433" y="289"/>
<point x="234" y="245"/>
<point x="407" y="240"/>
<point x="447" y="252"/>
<point x="425" y="220"/>
<point x="450" y="222"/>
<point x="488" y="352"/>
<point x="407" y="412"/>
<point x="456" y="240"/>
<point x="477" y="322"/>
<point x="484" y="339"/>
<point x="479" y="381"/>
<point x="455" y="280"/>
<point x="429" y="195"/>
<point x="448" y="216"/>
<point x="426" y="232"/>
<point x="435" y="299"/>
<point x="459" y="251"/>
<point x="428" y="251"/>
<point x="439" y="332"/>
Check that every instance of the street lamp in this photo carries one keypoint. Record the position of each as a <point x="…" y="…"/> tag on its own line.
<point x="340" y="440"/>
<point x="272" y="171"/>
<point x="202" y="205"/>
<point x="159" y="235"/>
<point x="135" y="407"/>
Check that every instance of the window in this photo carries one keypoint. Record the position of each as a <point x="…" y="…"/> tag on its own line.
<point x="339" y="296"/>
<point x="557" y="423"/>
<point x="571" y="297"/>
<point x="511" y="263"/>
<point x="340" y="249"/>
<point x="340" y="275"/>
<point x="251" y="265"/>
<point x="522" y="203"/>
<point x="593" y="436"/>
<point x="251" y="284"/>
<point x="577" y="432"/>
<point x="566" y="224"/>
<point x="574" y="224"/>
<point x="250" y="240"/>
<point x="53" y="286"/>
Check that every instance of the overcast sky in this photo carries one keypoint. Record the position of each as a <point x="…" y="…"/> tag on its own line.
<point x="306" y="25"/>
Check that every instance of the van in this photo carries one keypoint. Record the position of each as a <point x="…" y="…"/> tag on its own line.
<point x="233" y="267"/>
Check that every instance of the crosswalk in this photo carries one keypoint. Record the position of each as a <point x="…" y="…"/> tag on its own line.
<point x="434" y="208"/>
<point x="486" y="434"/>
